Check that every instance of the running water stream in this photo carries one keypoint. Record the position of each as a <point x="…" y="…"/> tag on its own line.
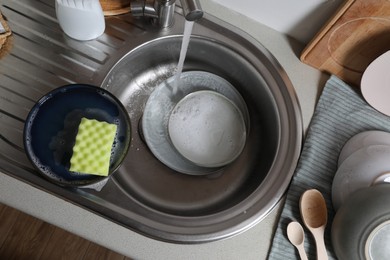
<point x="183" y="53"/>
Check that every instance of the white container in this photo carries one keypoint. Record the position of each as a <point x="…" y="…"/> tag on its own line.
<point x="81" y="19"/>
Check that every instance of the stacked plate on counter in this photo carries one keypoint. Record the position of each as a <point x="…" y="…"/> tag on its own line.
<point x="361" y="197"/>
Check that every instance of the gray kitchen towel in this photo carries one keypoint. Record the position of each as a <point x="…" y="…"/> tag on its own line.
<point x="341" y="113"/>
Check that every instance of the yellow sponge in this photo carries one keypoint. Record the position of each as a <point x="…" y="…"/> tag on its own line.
<point x="92" y="150"/>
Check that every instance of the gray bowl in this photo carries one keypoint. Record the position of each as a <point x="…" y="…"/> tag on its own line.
<point x="361" y="227"/>
<point x="162" y="102"/>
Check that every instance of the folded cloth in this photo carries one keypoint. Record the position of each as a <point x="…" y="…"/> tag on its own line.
<point x="341" y="113"/>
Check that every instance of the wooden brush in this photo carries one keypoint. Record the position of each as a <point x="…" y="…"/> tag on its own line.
<point x="115" y="7"/>
<point x="5" y="37"/>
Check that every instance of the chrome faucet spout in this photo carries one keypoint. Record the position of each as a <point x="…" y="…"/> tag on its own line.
<point x="192" y="10"/>
<point x="162" y="10"/>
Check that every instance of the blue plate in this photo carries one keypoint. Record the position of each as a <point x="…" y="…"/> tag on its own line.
<point x="51" y="128"/>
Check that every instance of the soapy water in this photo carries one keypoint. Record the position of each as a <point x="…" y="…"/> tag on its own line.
<point x="46" y="170"/>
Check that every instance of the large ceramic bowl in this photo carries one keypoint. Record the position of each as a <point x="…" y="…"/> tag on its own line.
<point x="52" y="125"/>
<point x="361" y="227"/>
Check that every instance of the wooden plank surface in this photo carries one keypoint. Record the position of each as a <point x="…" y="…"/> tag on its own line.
<point x="64" y="245"/>
<point x="25" y="237"/>
<point x="357" y="34"/>
<point x="28" y="237"/>
<point x="8" y="218"/>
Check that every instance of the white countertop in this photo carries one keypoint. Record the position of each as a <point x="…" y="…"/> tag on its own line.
<point x="252" y="244"/>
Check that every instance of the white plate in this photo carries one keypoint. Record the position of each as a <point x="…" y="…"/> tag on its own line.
<point x="364" y="168"/>
<point x="207" y="128"/>
<point x="363" y="139"/>
<point x="375" y="83"/>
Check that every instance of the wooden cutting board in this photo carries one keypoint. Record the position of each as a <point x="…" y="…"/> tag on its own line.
<point x="357" y="34"/>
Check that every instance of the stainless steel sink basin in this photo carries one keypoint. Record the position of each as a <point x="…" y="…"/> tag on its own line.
<point x="130" y="60"/>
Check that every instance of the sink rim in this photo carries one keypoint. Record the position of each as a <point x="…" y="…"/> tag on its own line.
<point x="179" y="230"/>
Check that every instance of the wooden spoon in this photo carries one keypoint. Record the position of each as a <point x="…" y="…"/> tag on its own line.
<point x="315" y="216"/>
<point x="297" y="237"/>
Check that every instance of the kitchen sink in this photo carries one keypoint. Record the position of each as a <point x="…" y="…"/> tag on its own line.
<point x="130" y="59"/>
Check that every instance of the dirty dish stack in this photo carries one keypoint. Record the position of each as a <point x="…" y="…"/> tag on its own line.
<point x="196" y="125"/>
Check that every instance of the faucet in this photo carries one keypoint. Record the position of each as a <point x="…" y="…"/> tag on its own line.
<point x="162" y="10"/>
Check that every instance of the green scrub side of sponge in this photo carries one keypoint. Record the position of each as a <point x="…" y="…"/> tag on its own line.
<point x="92" y="150"/>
